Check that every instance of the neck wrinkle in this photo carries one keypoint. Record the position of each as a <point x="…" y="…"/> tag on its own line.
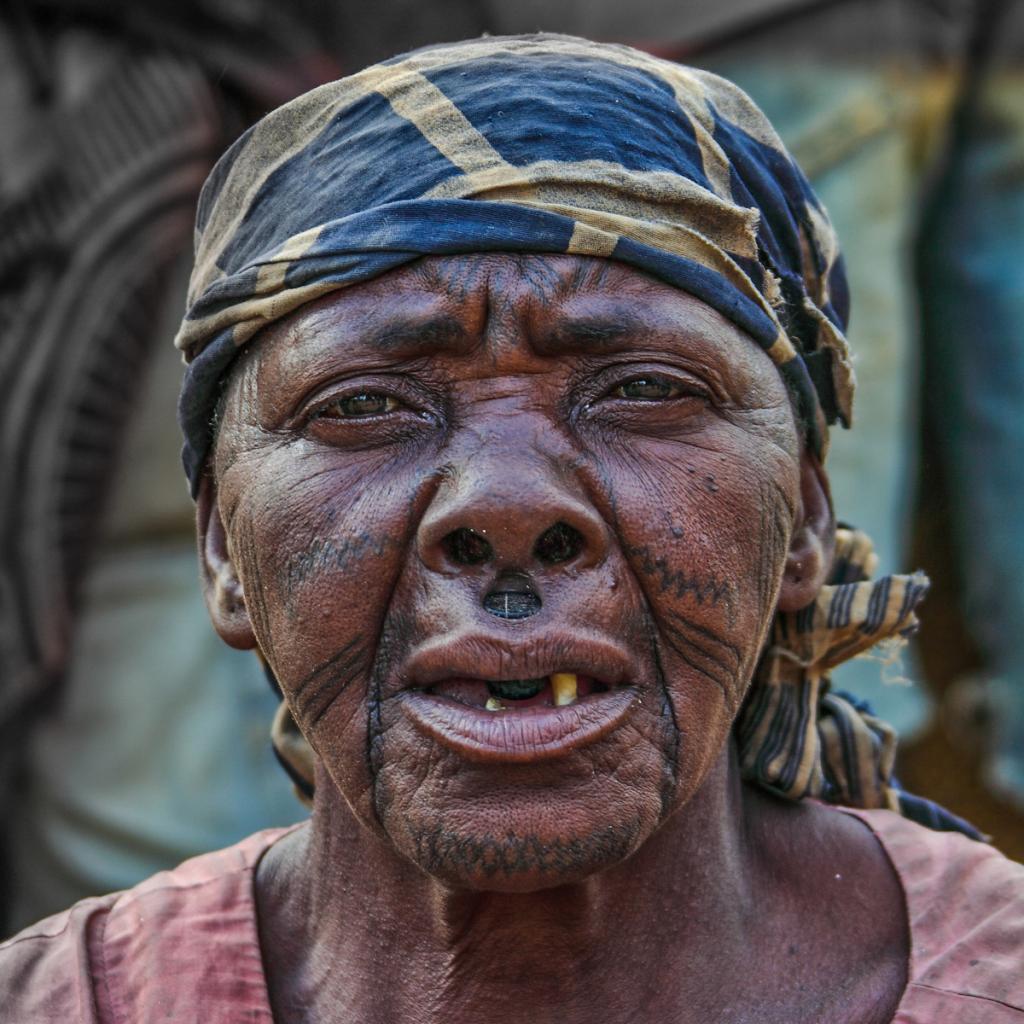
<point x="353" y="931"/>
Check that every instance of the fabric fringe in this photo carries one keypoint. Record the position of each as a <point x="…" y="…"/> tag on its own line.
<point x="796" y="737"/>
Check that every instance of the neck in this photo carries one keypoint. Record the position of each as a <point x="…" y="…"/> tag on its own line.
<point x="352" y="931"/>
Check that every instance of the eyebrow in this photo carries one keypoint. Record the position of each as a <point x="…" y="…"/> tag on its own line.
<point x="411" y="334"/>
<point x="603" y="331"/>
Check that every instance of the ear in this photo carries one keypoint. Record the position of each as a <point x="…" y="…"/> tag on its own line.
<point x="812" y="544"/>
<point x="222" y="588"/>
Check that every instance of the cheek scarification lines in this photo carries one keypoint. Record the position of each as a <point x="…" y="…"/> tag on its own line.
<point x="707" y="653"/>
<point x="314" y="694"/>
<point x="253" y="589"/>
<point x="673" y="736"/>
<point x="775" y="518"/>
<point x="709" y="590"/>
<point x="326" y="553"/>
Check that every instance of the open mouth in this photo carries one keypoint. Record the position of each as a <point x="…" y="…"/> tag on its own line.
<point x="546" y="697"/>
<point x="519" y="720"/>
<point x="558" y="690"/>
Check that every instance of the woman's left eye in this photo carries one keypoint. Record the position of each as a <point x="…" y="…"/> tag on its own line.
<point x="648" y="389"/>
<point x="365" y="403"/>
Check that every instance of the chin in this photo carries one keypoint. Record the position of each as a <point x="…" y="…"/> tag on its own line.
<point x="520" y="839"/>
<point x="519" y="862"/>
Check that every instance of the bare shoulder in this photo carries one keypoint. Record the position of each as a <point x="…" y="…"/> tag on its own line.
<point x="834" y="915"/>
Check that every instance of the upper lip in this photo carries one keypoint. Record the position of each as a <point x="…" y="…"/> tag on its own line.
<point x="479" y="655"/>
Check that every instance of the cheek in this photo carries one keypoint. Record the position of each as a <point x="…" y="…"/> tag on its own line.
<point x="319" y="547"/>
<point x="705" y="533"/>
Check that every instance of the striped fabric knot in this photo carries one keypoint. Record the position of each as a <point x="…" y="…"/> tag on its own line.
<point x="796" y="736"/>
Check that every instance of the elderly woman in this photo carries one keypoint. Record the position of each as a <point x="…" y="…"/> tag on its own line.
<point x="510" y="369"/>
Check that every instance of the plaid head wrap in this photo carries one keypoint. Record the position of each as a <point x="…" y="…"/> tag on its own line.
<point x="551" y="144"/>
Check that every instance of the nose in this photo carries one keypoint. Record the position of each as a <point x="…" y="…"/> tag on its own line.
<point x="510" y="516"/>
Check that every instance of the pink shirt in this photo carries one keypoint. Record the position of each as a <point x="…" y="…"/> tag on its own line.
<point x="183" y="945"/>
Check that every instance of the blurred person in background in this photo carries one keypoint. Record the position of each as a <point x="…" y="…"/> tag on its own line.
<point x="130" y="737"/>
<point x="906" y="115"/>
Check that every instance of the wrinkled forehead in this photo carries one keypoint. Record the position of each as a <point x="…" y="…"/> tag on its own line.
<point x="486" y="315"/>
<point x="529" y="144"/>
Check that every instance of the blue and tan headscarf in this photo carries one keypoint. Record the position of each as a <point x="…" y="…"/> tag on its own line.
<point x="551" y="144"/>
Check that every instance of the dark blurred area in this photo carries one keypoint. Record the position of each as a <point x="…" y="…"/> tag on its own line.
<point x="130" y="737"/>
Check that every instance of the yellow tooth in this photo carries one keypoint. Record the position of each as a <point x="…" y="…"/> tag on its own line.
<point x="493" y="704"/>
<point x="563" y="686"/>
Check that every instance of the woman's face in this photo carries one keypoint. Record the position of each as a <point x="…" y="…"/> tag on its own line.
<point x="447" y="486"/>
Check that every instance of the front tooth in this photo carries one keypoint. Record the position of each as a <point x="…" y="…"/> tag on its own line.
<point x="563" y="686"/>
<point x="493" y="704"/>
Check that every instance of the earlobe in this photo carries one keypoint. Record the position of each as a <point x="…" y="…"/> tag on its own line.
<point x="812" y="544"/>
<point x="222" y="588"/>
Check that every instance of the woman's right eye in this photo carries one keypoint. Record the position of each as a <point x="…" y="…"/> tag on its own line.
<point x="360" y="405"/>
<point x="649" y="388"/>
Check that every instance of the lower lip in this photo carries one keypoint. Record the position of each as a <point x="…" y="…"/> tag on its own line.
<point x="522" y="736"/>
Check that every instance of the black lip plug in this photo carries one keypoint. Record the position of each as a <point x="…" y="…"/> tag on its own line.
<point x="512" y="597"/>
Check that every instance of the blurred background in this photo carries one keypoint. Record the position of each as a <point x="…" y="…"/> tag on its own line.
<point x="130" y="737"/>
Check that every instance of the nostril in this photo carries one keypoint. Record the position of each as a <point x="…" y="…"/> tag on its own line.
<point x="512" y="597"/>
<point x="464" y="547"/>
<point x="557" y="544"/>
